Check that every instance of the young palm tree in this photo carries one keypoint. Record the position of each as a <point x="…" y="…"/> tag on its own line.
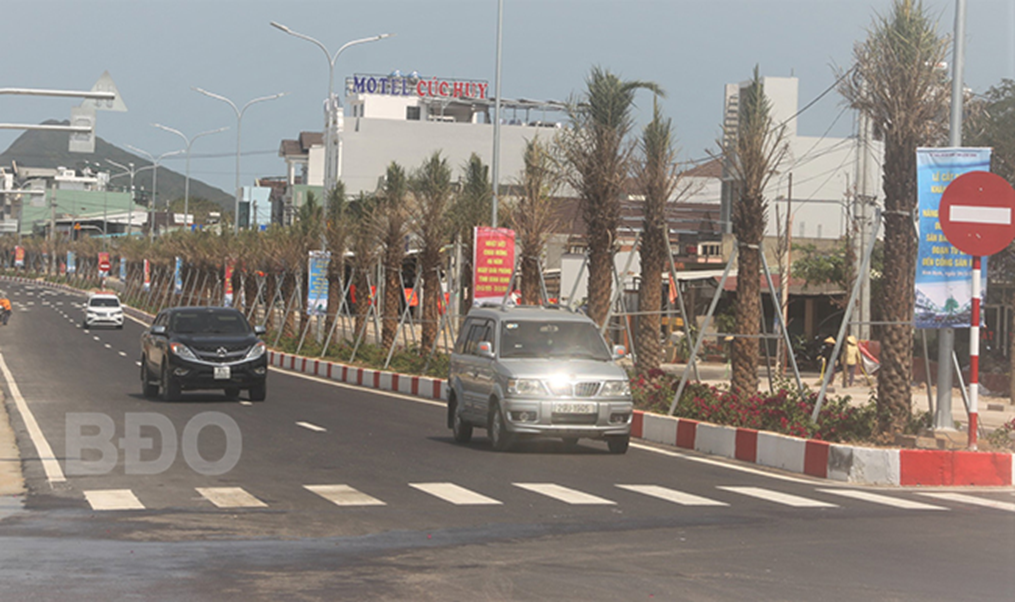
<point x="472" y="207"/>
<point x="363" y="244"/>
<point x="657" y="180"/>
<point x="394" y="224"/>
<point x="336" y="233"/>
<point x="597" y="151"/>
<point x="753" y="158"/>
<point x="431" y="199"/>
<point x="533" y="216"/>
<point x="897" y="83"/>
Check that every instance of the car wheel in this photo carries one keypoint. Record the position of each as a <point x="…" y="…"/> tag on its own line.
<point x="462" y="430"/>
<point x="499" y="435"/>
<point x="233" y="393"/>
<point x="570" y="441"/>
<point x="618" y="445"/>
<point x="170" y="386"/>
<point x="119" y="326"/>
<point x="147" y="388"/>
<point x="259" y="392"/>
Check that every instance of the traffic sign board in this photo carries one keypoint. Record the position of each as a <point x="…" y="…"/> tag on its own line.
<point x="977" y="213"/>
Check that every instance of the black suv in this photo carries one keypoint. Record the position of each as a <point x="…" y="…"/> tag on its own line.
<point x="190" y="348"/>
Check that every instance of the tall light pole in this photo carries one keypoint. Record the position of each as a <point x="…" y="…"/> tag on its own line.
<point x="496" y="115"/>
<point x="131" y="172"/>
<point x="239" y="126"/>
<point x="156" y="161"/>
<point x="186" y="181"/>
<point x="332" y="144"/>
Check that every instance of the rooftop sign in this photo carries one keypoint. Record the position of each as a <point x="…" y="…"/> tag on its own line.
<point x="408" y="85"/>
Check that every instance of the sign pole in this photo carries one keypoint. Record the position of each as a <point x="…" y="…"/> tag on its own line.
<point x="974" y="355"/>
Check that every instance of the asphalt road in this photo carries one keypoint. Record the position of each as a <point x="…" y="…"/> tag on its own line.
<point x="341" y="493"/>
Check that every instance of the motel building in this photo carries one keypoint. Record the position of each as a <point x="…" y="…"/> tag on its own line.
<point x="405" y="119"/>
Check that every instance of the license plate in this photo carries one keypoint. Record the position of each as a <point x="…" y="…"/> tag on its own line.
<point x="222" y="373"/>
<point x="574" y="408"/>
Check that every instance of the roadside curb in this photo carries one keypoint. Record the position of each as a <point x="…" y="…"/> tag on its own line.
<point x="833" y="461"/>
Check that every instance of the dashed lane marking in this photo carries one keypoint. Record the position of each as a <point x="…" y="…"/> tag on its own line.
<point x="230" y="497"/>
<point x="113" y="499"/>
<point x="122" y="354"/>
<point x="312" y="427"/>
<point x="344" y="495"/>
<point x="459" y="496"/>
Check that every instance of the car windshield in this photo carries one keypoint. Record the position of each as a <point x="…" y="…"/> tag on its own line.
<point x="104" y="302"/>
<point x="206" y="322"/>
<point x="572" y="340"/>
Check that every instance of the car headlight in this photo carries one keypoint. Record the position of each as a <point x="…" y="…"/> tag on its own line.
<point x="615" y="388"/>
<point x="525" y="386"/>
<point x="182" y="351"/>
<point x="256" y="351"/>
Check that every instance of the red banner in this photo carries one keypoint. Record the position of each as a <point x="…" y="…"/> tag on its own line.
<point x="228" y="282"/>
<point x="103" y="263"/>
<point x="147" y="275"/>
<point x="493" y="263"/>
<point x="19" y="256"/>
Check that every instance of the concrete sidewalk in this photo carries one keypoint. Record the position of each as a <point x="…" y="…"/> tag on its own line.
<point x="12" y="482"/>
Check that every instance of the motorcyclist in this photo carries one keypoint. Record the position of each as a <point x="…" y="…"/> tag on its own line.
<point x="5" y="309"/>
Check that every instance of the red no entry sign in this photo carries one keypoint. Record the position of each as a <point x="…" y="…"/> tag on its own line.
<point x="977" y="213"/>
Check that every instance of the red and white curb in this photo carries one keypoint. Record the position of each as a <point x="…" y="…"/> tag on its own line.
<point x="418" y="386"/>
<point x="838" y="462"/>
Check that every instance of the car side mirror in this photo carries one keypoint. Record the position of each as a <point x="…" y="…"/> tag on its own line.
<point x="160" y="329"/>
<point x="619" y="352"/>
<point x="485" y="349"/>
<point x="260" y="330"/>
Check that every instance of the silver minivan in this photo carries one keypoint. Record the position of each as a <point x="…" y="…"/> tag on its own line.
<point x="535" y="371"/>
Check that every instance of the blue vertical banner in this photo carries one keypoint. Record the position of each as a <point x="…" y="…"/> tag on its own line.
<point x="943" y="273"/>
<point x="178" y="277"/>
<point x="123" y="269"/>
<point x="71" y="263"/>
<point x="317" y="282"/>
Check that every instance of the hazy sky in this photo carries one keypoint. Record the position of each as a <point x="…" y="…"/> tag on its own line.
<point x="156" y="50"/>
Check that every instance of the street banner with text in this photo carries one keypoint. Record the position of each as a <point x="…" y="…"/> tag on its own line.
<point x="227" y="284"/>
<point x="493" y="263"/>
<point x="19" y="256"/>
<point x="147" y="276"/>
<point x="317" y="282"/>
<point x="71" y="263"/>
<point x="943" y="273"/>
<point x="178" y="277"/>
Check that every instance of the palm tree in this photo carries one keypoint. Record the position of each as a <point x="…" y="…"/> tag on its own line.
<point x="393" y="218"/>
<point x="472" y="207"/>
<point x="897" y="83"/>
<point x="363" y="244"/>
<point x="752" y="158"/>
<point x="597" y="151"/>
<point x="657" y="180"/>
<point x="336" y="233"/>
<point x="533" y="217"/>
<point x="431" y="199"/>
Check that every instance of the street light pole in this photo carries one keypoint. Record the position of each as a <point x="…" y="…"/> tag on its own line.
<point x="332" y="145"/>
<point x="156" y="161"/>
<point x="239" y="126"/>
<point x="132" y="172"/>
<point x="186" y="180"/>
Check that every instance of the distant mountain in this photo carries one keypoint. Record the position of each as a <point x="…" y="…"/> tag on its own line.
<point x="36" y="148"/>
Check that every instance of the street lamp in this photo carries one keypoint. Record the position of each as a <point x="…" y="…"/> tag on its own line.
<point x="332" y="145"/>
<point x="132" y="172"/>
<point x="186" y="181"/>
<point x="239" y="124"/>
<point x="156" y="161"/>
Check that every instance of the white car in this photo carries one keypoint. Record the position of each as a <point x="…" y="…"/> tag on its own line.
<point x="103" y="309"/>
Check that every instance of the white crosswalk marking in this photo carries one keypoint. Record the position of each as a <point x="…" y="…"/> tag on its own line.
<point x="882" y="499"/>
<point x="564" y="494"/>
<point x="230" y="497"/>
<point x="779" y="498"/>
<point x="459" y="496"/>
<point x="343" y="495"/>
<point x="113" y="499"/>
<point x="672" y="495"/>
<point x="973" y="501"/>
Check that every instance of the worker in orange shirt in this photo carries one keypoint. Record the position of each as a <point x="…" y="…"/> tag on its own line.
<point x="5" y="310"/>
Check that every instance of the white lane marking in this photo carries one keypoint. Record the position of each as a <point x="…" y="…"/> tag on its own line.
<point x="972" y="214"/>
<point x="459" y="496"/>
<point x="779" y="498"/>
<point x="432" y="402"/>
<point x="113" y="499"/>
<point x="882" y="499"/>
<point x="122" y="354"/>
<point x="138" y="363"/>
<point x="230" y="497"/>
<point x="672" y="495"/>
<point x="96" y="338"/>
<point x="59" y="302"/>
<point x="108" y="346"/>
<point x="973" y="501"/>
<point x="30" y="303"/>
<point x="721" y="463"/>
<point x="242" y="403"/>
<point x="564" y="494"/>
<point x="313" y="427"/>
<point x="343" y="495"/>
<point x="49" y="462"/>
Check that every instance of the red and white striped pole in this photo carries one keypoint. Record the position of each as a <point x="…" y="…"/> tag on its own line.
<point x="974" y="355"/>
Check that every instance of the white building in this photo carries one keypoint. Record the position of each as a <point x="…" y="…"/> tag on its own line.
<point x="829" y="176"/>
<point x="405" y="119"/>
